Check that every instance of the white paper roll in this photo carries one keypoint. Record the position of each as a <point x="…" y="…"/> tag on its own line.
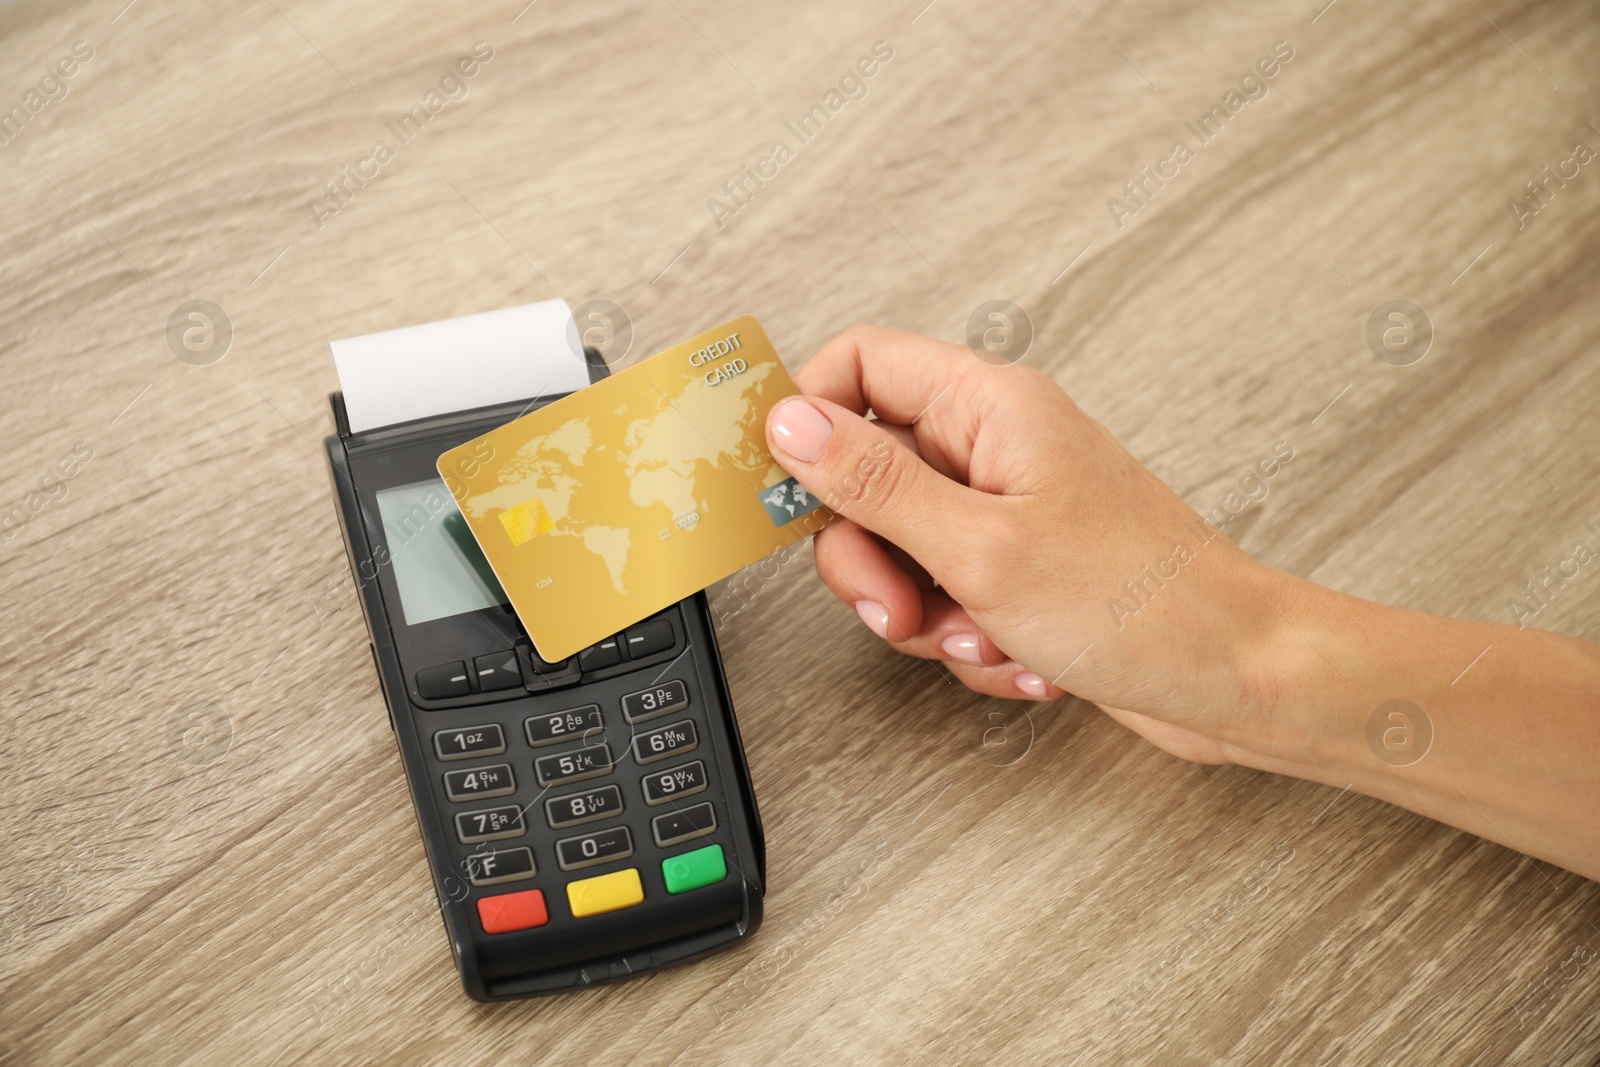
<point x="410" y="373"/>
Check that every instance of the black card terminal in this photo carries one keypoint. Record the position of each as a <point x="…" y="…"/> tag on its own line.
<point x="584" y="820"/>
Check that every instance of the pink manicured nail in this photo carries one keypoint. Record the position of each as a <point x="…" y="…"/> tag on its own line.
<point x="965" y="647"/>
<point x="1032" y="684"/>
<point x="800" y="429"/>
<point x="874" y="615"/>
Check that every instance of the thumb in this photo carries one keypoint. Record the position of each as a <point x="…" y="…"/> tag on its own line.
<point x="864" y="472"/>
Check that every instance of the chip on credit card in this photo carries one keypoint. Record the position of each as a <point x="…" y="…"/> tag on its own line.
<point x="610" y="504"/>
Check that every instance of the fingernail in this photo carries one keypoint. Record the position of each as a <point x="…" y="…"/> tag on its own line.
<point x="1032" y="684"/>
<point x="964" y="647"/>
<point x="800" y="429"/>
<point x="874" y="615"/>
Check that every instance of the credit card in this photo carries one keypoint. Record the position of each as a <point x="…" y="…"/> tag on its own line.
<point x="608" y="505"/>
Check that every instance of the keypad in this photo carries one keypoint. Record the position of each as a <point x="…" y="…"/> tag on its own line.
<point x="587" y="806"/>
<point x="683" y="824"/>
<point x="564" y="725"/>
<point x="480" y="783"/>
<point x="469" y="741"/>
<point x="657" y="700"/>
<point x="665" y="742"/>
<point x="498" y="865"/>
<point x="561" y="767"/>
<point x="567" y="746"/>
<point x="674" y="782"/>
<point x="489" y="824"/>
<point x="590" y="849"/>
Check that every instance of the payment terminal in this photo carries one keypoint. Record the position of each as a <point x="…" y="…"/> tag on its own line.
<point x="585" y="820"/>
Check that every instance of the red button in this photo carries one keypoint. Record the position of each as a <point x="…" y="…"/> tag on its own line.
<point x="512" y="911"/>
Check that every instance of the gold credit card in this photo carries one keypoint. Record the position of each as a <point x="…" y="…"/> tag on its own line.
<point x="623" y="498"/>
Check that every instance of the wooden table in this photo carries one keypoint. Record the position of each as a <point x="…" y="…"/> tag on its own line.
<point x="209" y="853"/>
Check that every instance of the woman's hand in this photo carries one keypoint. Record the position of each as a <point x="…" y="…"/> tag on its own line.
<point x="987" y="522"/>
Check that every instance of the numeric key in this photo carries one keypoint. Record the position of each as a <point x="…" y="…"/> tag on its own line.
<point x="585" y="721"/>
<point x="480" y="783"/>
<point x="587" y="806"/>
<point x="665" y="742"/>
<point x="469" y="741"/>
<point x="490" y="824"/>
<point x="657" y="700"/>
<point x="674" y="782"/>
<point x="561" y="767"/>
<point x="590" y="849"/>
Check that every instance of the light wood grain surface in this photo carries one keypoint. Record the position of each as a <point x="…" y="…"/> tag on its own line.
<point x="209" y="853"/>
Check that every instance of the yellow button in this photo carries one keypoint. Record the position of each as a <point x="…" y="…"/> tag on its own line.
<point x="608" y="892"/>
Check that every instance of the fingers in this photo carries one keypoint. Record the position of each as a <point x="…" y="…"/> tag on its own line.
<point x="917" y="621"/>
<point x="904" y="434"/>
<point x="924" y="386"/>
<point x="1009" y="680"/>
<point x="859" y="570"/>
<point x="898" y="375"/>
<point x="950" y="467"/>
<point x="949" y="636"/>
<point x="864" y="473"/>
<point x="948" y="633"/>
<point x="923" y="500"/>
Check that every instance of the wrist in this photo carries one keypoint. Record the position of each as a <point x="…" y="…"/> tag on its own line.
<point x="1479" y="725"/>
<point x="1303" y="682"/>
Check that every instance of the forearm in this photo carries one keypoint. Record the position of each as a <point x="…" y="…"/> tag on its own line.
<point x="1514" y="716"/>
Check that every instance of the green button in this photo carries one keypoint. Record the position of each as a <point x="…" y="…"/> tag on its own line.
<point x="694" y="869"/>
